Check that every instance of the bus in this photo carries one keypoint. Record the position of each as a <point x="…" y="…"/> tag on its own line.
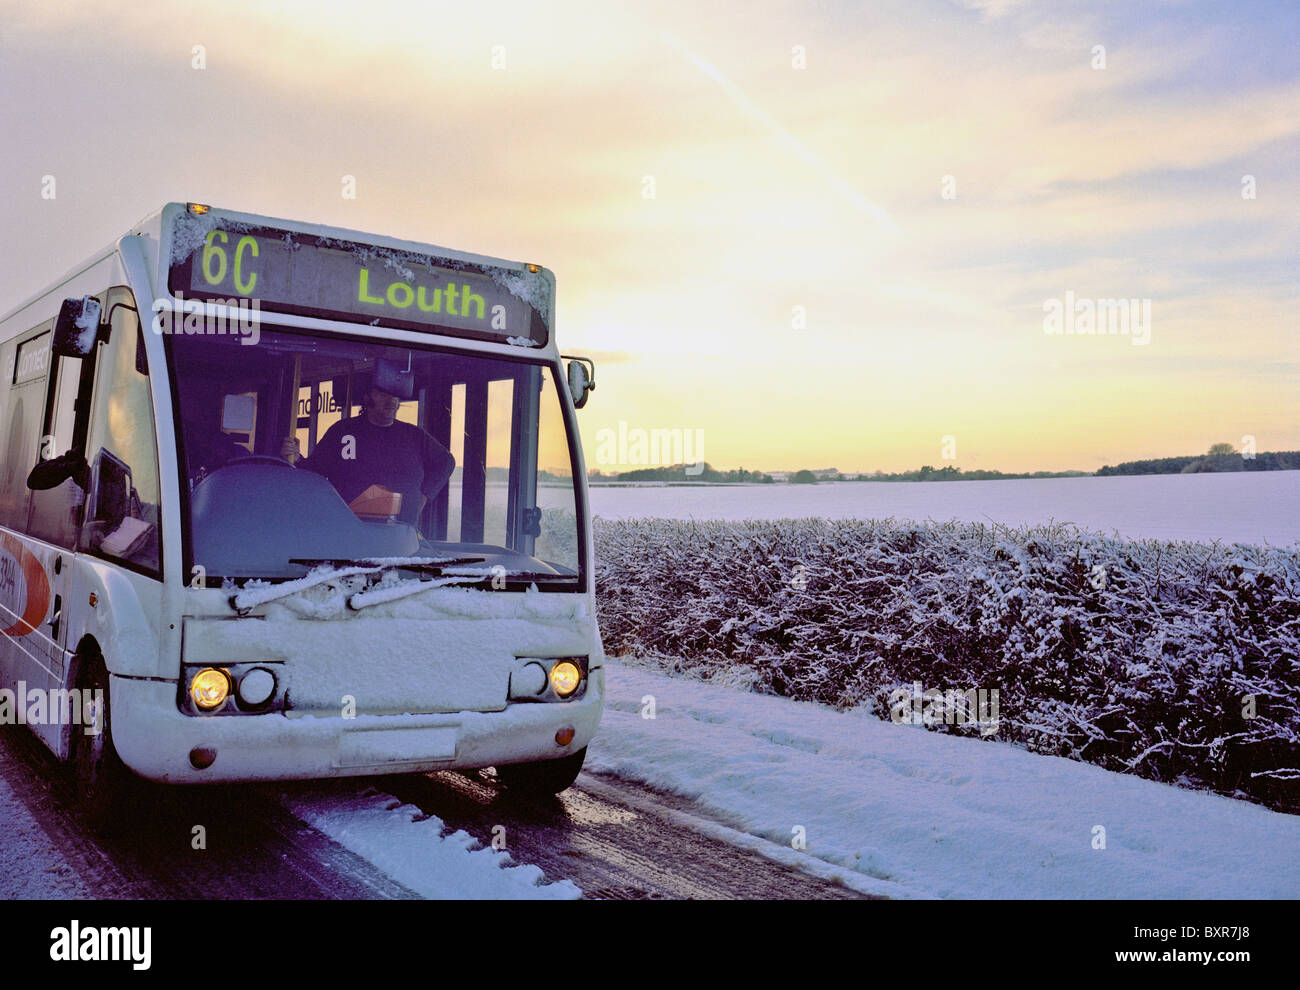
<point x="285" y="501"/>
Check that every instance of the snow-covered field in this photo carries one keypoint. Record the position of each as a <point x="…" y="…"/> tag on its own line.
<point x="1242" y="507"/>
<point x="928" y="815"/>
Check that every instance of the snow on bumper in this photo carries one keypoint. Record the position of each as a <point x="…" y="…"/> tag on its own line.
<point x="161" y="738"/>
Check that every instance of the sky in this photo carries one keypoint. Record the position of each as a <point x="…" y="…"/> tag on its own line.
<point x="813" y="234"/>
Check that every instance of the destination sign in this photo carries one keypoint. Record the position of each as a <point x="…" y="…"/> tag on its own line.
<point x="332" y="279"/>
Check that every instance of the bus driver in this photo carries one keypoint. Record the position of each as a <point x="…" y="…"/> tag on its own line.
<point x="376" y="448"/>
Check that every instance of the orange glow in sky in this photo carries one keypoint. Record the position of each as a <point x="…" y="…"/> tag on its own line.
<point x="822" y="235"/>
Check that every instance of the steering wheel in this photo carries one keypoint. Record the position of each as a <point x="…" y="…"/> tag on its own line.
<point x="258" y="458"/>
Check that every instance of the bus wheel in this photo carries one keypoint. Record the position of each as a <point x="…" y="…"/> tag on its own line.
<point x="544" y="776"/>
<point x="102" y="780"/>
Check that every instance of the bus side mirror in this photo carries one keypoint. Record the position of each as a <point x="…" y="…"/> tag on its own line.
<point x="77" y="328"/>
<point x="580" y="380"/>
<point x="55" y="471"/>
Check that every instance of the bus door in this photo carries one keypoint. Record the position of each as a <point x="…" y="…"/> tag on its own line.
<point x="24" y="584"/>
<point x="55" y="515"/>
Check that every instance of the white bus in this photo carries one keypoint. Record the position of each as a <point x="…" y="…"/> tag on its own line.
<point x="294" y="502"/>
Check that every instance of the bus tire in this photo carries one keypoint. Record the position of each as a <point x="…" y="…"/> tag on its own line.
<point x="102" y="781"/>
<point x="545" y="777"/>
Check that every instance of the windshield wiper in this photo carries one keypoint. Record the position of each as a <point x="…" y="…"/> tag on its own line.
<point x="540" y="576"/>
<point x="380" y="565"/>
<point x="464" y="578"/>
<point x="444" y="571"/>
<point x="246" y="600"/>
<point x="421" y="565"/>
<point x="403" y="589"/>
<point x="501" y="572"/>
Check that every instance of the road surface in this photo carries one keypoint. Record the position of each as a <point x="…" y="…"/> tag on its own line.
<point x="613" y="838"/>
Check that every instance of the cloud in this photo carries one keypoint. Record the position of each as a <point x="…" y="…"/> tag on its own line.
<point x="991" y="10"/>
<point x="788" y="140"/>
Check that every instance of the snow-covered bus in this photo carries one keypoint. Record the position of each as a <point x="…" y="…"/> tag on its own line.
<point x="279" y="501"/>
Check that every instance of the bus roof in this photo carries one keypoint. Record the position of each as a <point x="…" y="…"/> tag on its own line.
<point x="66" y="277"/>
<point x="515" y="298"/>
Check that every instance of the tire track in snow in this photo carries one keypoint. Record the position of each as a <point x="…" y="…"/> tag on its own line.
<point x="616" y="840"/>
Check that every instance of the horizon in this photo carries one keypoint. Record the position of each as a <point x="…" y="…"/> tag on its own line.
<point x="838" y="236"/>
<point x="935" y="467"/>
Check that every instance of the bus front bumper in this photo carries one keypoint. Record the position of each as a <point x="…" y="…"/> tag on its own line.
<point x="158" y="741"/>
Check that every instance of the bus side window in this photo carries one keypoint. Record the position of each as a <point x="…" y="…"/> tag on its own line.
<point x="122" y="517"/>
<point x="56" y="512"/>
<point x="26" y="365"/>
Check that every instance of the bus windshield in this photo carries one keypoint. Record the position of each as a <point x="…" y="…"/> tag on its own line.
<point x="305" y="449"/>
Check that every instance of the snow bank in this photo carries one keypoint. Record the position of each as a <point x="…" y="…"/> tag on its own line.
<point x="939" y="815"/>
<point x="413" y="849"/>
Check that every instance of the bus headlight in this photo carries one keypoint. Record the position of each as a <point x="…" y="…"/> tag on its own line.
<point x="548" y="679"/>
<point x="565" y="678"/>
<point x="528" y="681"/>
<point x="234" y="688"/>
<point x="209" y="689"/>
<point x="256" y="687"/>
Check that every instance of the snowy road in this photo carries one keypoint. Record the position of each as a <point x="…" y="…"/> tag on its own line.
<point x="614" y="838"/>
<point x="254" y="849"/>
<point x="605" y="837"/>
<point x="704" y="800"/>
